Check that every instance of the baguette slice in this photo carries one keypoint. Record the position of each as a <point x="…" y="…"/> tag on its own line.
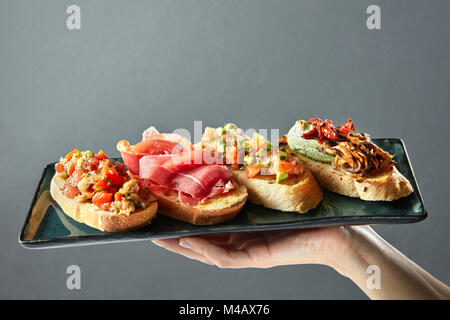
<point x="89" y="213"/>
<point x="295" y="194"/>
<point x="387" y="185"/>
<point x="216" y="210"/>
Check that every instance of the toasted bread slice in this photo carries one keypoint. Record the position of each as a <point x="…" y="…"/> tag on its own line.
<point x="297" y="193"/>
<point x="216" y="210"/>
<point x="387" y="185"/>
<point x="89" y="213"/>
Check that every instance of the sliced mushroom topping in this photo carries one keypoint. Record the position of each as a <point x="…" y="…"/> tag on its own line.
<point x="355" y="153"/>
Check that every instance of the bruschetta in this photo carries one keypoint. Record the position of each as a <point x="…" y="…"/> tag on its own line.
<point x="186" y="187"/>
<point x="93" y="190"/>
<point x="274" y="178"/>
<point x="345" y="162"/>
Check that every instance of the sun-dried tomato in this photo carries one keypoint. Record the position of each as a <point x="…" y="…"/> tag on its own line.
<point x="346" y="127"/>
<point x="322" y="130"/>
<point x="312" y="134"/>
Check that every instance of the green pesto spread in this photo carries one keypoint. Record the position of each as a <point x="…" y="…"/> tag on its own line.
<point x="305" y="147"/>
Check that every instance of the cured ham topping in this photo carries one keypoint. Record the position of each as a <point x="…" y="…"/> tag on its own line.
<point x="197" y="182"/>
<point x="169" y="162"/>
<point x="153" y="143"/>
<point x="354" y="152"/>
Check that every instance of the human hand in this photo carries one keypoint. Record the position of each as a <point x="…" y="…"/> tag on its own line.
<point x="264" y="249"/>
<point x="349" y="250"/>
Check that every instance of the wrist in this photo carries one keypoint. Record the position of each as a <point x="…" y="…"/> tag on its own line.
<point x="359" y="244"/>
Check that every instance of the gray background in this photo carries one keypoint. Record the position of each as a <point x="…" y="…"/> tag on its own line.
<point x="258" y="63"/>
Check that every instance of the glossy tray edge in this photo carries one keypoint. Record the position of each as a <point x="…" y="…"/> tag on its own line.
<point x="129" y="236"/>
<point x="116" y="238"/>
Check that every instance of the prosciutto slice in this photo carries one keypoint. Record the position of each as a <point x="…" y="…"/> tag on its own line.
<point x="132" y="154"/>
<point x="197" y="182"/>
<point x="168" y="161"/>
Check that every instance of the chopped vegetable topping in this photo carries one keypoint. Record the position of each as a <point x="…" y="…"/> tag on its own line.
<point x="281" y="176"/>
<point x="255" y="155"/>
<point x="94" y="177"/>
<point x="252" y="170"/>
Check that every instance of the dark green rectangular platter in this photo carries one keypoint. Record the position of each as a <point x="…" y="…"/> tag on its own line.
<point x="46" y="225"/>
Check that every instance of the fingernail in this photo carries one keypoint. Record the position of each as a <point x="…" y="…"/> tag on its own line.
<point x="185" y="243"/>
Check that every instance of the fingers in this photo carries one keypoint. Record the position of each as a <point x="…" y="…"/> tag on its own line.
<point x="220" y="256"/>
<point x="235" y="250"/>
<point x="244" y="250"/>
<point x="174" y="246"/>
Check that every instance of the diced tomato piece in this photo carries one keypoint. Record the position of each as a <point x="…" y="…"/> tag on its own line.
<point x="71" y="169"/>
<point x="110" y="171"/>
<point x="59" y="167"/>
<point x="70" y="154"/>
<point x="252" y="170"/>
<point x="290" y="167"/>
<point x="101" y="185"/>
<point x="118" y="196"/>
<point x="296" y="168"/>
<point x="101" y="155"/>
<point x="111" y="189"/>
<point x="77" y="176"/>
<point x="89" y="193"/>
<point x="284" y="166"/>
<point x="101" y="198"/>
<point x="94" y="162"/>
<point x="114" y="176"/>
<point x="70" y="191"/>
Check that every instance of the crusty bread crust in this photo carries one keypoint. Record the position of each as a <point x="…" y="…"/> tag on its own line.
<point x="295" y="194"/>
<point x="217" y="210"/>
<point x="388" y="185"/>
<point x="89" y="214"/>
